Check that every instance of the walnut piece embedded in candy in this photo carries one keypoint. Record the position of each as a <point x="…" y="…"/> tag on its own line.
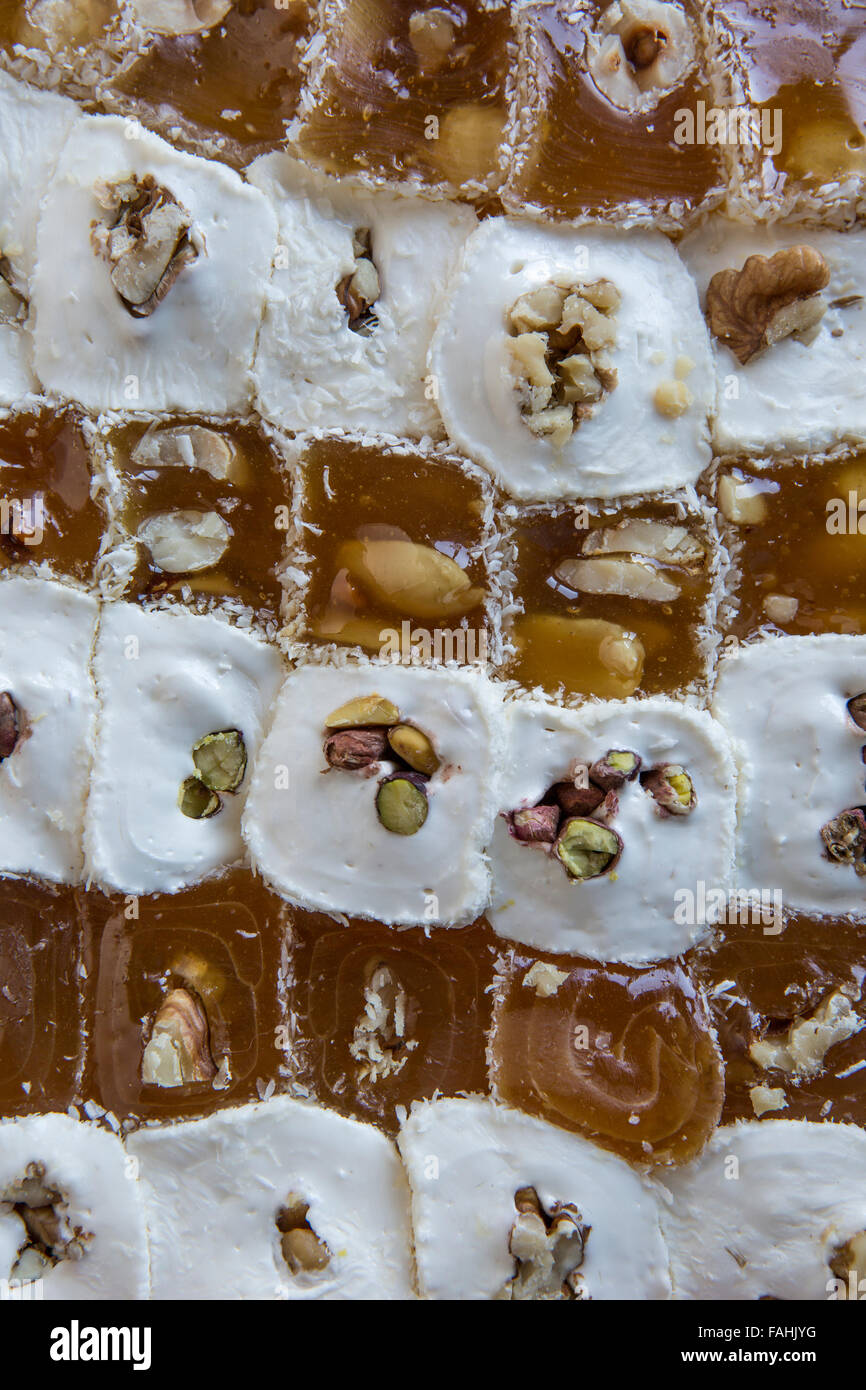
<point x="771" y="298"/>
<point x="548" y="1249"/>
<point x="801" y="1049"/>
<point x="560" y="342"/>
<point x="49" y="1235"/>
<point x="844" y="839"/>
<point x="178" y="1052"/>
<point x="147" y="238"/>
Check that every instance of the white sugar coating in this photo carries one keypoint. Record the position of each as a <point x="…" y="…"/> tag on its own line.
<point x="312" y="370"/>
<point x="627" y="445"/>
<point x="35" y="127"/>
<point x="641" y="910"/>
<point x="194" y="352"/>
<point x="314" y="832"/>
<point x="46" y="635"/>
<point x="212" y="1190"/>
<point x="764" y="1209"/>
<point x="90" y="1169"/>
<point x="783" y="701"/>
<point x="467" y="1158"/>
<point x="35" y="124"/>
<point x="165" y="680"/>
<point x="794" y="396"/>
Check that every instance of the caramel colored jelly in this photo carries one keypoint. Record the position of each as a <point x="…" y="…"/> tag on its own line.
<point x="58" y="27"/>
<point x="47" y="509"/>
<point x="607" y="644"/>
<point x="586" y="154"/>
<point x="805" y="66"/>
<point x="761" y="984"/>
<point x="221" y="944"/>
<point x="40" y="996"/>
<point x="240" y="80"/>
<point x="393" y="538"/>
<point x="413" y="91"/>
<point x="234" y="474"/>
<point x="623" y="1054"/>
<point x="381" y="1017"/>
<point x="800" y="545"/>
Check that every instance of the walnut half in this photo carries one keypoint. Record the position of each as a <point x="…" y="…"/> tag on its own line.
<point x="548" y="1249"/>
<point x="771" y="298"/>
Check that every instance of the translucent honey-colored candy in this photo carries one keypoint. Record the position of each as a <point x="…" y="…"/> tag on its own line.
<point x="57" y="27"/>
<point x="392" y="538"/>
<point x="192" y="476"/>
<point x="583" y="153"/>
<point x="804" y="69"/>
<point x="625" y="1055"/>
<point x="801" y="553"/>
<point x="239" y="81"/>
<point x="48" y="510"/>
<point x="411" y="91"/>
<point x="41" y="1019"/>
<point x="607" y="644"/>
<point x="762" y="982"/>
<point x="219" y="943"/>
<point x="381" y="1017"/>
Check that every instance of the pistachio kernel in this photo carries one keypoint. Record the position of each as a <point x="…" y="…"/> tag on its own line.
<point x="414" y="748"/>
<point x="366" y="709"/>
<point x="9" y="726"/>
<point x="857" y="710"/>
<point x="401" y="803"/>
<point x="586" y="849"/>
<point x="607" y="808"/>
<point x="577" y="801"/>
<point x="671" y="788"/>
<point x="617" y="767"/>
<point x="349" y="750"/>
<point x="196" y="800"/>
<point x="535" y="824"/>
<point x="844" y="839"/>
<point x="221" y="760"/>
